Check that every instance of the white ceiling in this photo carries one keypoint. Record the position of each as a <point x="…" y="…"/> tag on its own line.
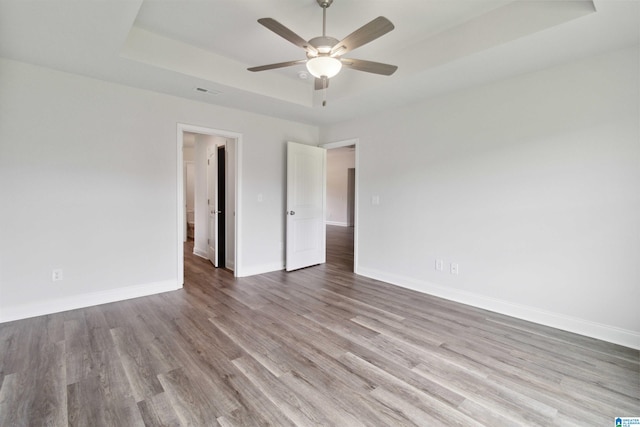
<point x="174" y="46"/>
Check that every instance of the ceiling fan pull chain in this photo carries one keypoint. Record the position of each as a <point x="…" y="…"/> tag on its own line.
<point x="324" y="91"/>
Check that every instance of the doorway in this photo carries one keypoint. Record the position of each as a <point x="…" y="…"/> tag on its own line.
<point x="196" y="144"/>
<point x="342" y="203"/>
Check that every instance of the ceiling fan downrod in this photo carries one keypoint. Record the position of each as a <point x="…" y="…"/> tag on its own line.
<point x="324" y="4"/>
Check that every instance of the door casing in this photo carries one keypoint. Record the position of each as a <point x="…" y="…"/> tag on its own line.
<point x="212" y="206"/>
<point x="180" y="197"/>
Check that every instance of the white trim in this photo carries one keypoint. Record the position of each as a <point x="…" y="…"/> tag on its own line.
<point x="261" y="269"/>
<point x="337" y="223"/>
<point x="57" y="305"/>
<point x="180" y="208"/>
<point x="356" y="143"/>
<point x="576" y="325"/>
<point x="339" y="144"/>
<point x="238" y="261"/>
<point x="181" y="128"/>
<point x="202" y="254"/>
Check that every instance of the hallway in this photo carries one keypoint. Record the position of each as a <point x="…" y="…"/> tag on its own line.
<point x="340" y="247"/>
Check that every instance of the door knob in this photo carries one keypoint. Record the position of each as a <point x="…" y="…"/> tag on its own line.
<point x="292" y="212"/>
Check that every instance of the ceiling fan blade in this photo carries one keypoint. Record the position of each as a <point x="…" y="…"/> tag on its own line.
<point x="278" y="65"/>
<point x="369" y="66"/>
<point x="287" y="34"/>
<point x="363" y="35"/>
<point x="319" y="85"/>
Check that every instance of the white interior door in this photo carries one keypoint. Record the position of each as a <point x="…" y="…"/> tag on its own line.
<point x="212" y="206"/>
<point x="306" y="205"/>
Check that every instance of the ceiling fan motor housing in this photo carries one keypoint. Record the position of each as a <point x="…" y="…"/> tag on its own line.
<point x="323" y="44"/>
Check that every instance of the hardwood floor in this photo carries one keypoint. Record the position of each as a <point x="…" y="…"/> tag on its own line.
<point x="320" y="346"/>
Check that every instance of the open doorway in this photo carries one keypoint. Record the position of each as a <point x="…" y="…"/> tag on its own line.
<point x="341" y="218"/>
<point x="208" y="214"/>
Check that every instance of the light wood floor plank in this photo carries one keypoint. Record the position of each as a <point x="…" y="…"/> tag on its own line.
<point x="157" y="411"/>
<point x="293" y="405"/>
<point x="192" y="401"/>
<point x="137" y="364"/>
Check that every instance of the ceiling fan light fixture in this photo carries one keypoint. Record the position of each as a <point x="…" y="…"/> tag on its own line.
<point x="324" y="52"/>
<point x="324" y="66"/>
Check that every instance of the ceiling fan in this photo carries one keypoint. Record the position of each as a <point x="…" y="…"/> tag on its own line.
<point x="324" y="53"/>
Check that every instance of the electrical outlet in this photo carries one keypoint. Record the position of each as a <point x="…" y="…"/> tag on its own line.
<point x="454" y="268"/>
<point x="56" y="275"/>
<point x="439" y="265"/>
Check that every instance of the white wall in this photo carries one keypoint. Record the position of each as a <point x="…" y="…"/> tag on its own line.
<point x="88" y="184"/>
<point x="531" y="184"/>
<point x="339" y="160"/>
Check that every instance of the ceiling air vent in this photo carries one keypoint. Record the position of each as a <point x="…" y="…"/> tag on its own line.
<point x="207" y="91"/>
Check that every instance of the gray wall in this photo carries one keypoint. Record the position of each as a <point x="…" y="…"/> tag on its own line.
<point x="88" y="184"/>
<point x="531" y="185"/>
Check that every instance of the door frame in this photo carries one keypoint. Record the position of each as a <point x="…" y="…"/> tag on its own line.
<point x="346" y="143"/>
<point x="221" y="198"/>
<point x="216" y="204"/>
<point x="180" y="129"/>
<point x="212" y="206"/>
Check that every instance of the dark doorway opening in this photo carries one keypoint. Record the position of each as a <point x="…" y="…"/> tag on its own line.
<point x="222" y="160"/>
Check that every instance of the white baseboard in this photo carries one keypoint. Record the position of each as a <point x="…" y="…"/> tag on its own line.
<point x="584" y="327"/>
<point x="57" y="305"/>
<point x="261" y="269"/>
<point x="230" y="265"/>
<point x="202" y="254"/>
<point x="339" y="224"/>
